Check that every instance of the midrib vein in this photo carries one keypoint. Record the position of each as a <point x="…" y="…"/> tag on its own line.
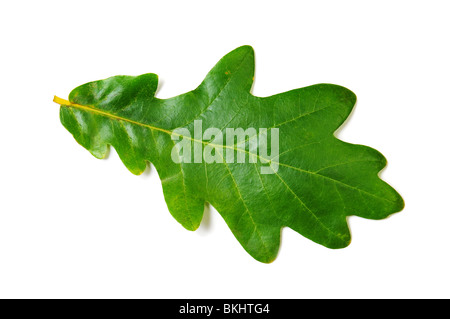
<point x="67" y="103"/>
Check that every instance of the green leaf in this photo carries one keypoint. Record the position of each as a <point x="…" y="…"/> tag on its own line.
<point x="311" y="185"/>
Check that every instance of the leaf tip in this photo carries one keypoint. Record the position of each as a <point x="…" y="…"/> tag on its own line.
<point x="245" y="50"/>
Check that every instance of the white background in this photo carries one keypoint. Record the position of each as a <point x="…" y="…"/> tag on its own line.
<point x="72" y="226"/>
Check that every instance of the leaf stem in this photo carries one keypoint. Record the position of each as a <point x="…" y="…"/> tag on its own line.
<point x="61" y="101"/>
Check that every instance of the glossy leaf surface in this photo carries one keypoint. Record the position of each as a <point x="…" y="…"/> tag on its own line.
<point x="316" y="181"/>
